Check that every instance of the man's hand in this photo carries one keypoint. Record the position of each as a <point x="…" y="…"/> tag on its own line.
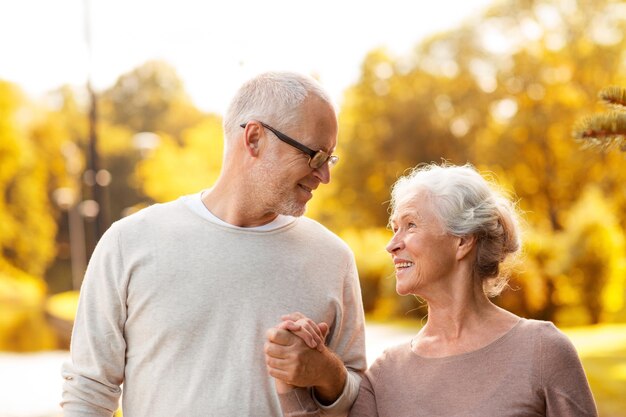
<point x="296" y="358"/>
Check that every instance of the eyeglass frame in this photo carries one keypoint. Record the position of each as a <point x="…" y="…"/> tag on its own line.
<point x="331" y="160"/>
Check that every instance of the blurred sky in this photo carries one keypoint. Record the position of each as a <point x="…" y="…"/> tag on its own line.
<point x="214" y="45"/>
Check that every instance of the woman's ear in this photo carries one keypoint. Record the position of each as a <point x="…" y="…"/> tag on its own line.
<point x="465" y="246"/>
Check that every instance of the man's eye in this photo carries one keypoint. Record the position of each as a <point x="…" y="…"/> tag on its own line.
<point x="411" y="225"/>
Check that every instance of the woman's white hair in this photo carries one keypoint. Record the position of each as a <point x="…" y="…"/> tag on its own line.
<point x="273" y="98"/>
<point x="468" y="204"/>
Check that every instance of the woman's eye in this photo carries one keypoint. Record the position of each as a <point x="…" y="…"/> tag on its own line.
<point x="411" y="225"/>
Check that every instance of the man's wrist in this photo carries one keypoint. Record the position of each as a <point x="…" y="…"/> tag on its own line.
<point x="331" y="388"/>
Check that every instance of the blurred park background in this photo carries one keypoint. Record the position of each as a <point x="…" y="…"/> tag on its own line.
<point x="503" y="88"/>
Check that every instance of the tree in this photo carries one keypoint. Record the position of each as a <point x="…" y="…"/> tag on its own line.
<point x="608" y="129"/>
<point x="501" y="92"/>
<point x="150" y="98"/>
<point x="187" y="165"/>
<point x="30" y="167"/>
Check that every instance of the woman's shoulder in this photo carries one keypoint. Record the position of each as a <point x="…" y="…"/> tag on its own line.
<point x="392" y="357"/>
<point x="551" y="342"/>
<point x="546" y="330"/>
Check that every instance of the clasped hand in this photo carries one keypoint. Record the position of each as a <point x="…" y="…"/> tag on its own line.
<point x="295" y="352"/>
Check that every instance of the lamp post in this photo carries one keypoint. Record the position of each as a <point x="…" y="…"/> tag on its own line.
<point x="95" y="177"/>
<point x="69" y="200"/>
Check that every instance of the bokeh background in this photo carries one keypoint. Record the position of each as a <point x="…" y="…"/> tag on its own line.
<point x="107" y="107"/>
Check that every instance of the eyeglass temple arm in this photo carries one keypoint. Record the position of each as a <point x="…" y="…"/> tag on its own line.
<point x="286" y="139"/>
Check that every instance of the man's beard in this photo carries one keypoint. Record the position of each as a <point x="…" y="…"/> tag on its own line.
<point x="282" y="201"/>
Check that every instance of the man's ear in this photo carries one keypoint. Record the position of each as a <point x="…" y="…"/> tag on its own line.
<point x="465" y="246"/>
<point x="252" y="136"/>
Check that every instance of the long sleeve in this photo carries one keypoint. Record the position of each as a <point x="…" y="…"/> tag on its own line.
<point x="298" y="403"/>
<point x="565" y="385"/>
<point x="365" y="404"/>
<point x="165" y="290"/>
<point x="93" y="378"/>
<point x="348" y="342"/>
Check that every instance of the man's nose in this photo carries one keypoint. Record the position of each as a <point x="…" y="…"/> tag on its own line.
<point x="323" y="173"/>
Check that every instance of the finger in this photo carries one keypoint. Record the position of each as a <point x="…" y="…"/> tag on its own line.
<point x="276" y="363"/>
<point x="275" y="351"/>
<point x="279" y="374"/>
<point x="280" y="336"/>
<point x="324" y="329"/>
<point x="310" y="326"/>
<point x="307" y="337"/>
<point x="289" y="325"/>
<point x="295" y="316"/>
<point x="314" y="329"/>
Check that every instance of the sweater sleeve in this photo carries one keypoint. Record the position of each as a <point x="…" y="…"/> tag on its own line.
<point x="96" y="370"/>
<point x="298" y="403"/>
<point x="565" y="385"/>
<point x="365" y="404"/>
<point x="348" y="342"/>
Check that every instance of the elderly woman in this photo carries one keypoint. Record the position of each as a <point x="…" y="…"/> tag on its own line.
<point x="452" y="230"/>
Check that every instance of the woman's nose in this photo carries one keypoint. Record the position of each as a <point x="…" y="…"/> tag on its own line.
<point x="394" y="244"/>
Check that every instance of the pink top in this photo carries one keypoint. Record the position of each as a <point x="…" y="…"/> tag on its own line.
<point x="532" y="370"/>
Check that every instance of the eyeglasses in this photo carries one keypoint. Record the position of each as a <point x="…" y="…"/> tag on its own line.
<point x="317" y="159"/>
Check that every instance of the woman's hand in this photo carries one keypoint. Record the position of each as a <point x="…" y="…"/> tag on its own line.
<point x="313" y="334"/>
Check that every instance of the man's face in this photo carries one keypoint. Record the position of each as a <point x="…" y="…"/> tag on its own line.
<point x="286" y="182"/>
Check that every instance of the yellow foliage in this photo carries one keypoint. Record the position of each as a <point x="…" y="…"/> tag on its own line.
<point x="63" y="305"/>
<point x="369" y="249"/>
<point x="373" y="262"/>
<point x="115" y="139"/>
<point x="23" y="325"/>
<point x="595" y="237"/>
<point x="174" y="169"/>
<point x="27" y="169"/>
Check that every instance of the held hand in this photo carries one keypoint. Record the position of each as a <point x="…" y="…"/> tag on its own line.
<point x="313" y="334"/>
<point x="290" y="360"/>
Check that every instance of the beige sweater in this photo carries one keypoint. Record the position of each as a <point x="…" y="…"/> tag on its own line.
<point x="176" y="308"/>
<point x="533" y="370"/>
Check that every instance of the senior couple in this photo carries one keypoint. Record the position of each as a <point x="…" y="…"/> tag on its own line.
<point x="178" y="299"/>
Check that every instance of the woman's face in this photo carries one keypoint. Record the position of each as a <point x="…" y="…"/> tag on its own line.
<point x="423" y="253"/>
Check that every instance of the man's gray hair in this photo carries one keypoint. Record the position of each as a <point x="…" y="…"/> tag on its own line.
<point x="273" y="98"/>
<point x="468" y="204"/>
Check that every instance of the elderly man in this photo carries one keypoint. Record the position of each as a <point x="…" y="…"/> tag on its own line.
<point x="177" y="298"/>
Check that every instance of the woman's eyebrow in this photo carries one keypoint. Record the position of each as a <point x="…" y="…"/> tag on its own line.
<point x="409" y="215"/>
